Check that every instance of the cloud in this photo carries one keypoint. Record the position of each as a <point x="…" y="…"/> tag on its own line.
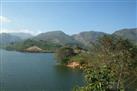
<point x="4" y="19"/>
<point x="20" y="30"/>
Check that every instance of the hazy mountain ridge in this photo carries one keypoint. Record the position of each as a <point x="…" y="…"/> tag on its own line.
<point x="22" y="35"/>
<point x="6" y="38"/>
<point x="60" y="38"/>
<point x="87" y="37"/>
<point x="130" y="34"/>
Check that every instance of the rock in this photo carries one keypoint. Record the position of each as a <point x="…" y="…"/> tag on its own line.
<point x="34" y="49"/>
<point x="73" y="64"/>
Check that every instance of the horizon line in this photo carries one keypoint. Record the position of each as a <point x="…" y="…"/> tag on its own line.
<point x="67" y="33"/>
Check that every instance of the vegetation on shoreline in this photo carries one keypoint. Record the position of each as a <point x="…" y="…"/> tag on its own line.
<point x="51" y="41"/>
<point x="70" y="56"/>
<point x="43" y="45"/>
<point x="107" y="66"/>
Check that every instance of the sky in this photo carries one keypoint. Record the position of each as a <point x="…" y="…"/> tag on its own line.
<point x="69" y="16"/>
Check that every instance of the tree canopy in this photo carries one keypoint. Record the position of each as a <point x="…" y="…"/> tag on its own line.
<point x="111" y="62"/>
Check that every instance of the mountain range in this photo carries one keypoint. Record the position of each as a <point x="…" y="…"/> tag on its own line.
<point x="130" y="34"/>
<point x="60" y="38"/>
<point x="8" y="38"/>
<point x="22" y="35"/>
<point x="87" y="37"/>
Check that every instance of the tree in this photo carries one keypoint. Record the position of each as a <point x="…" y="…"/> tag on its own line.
<point x="118" y="56"/>
<point x="97" y="79"/>
<point x="63" y="54"/>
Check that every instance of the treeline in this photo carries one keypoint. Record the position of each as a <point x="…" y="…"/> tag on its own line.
<point x="20" y="46"/>
<point x="109" y="65"/>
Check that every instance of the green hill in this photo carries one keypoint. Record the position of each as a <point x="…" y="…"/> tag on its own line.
<point x="130" y="34"/>
<point x="50" y="41"/>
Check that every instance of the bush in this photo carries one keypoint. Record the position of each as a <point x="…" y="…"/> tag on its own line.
<point x="64" y="54"/>
<point x="111" y="61"/>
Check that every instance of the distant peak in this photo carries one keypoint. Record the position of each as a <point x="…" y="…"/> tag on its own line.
<point x="57" y="31"/>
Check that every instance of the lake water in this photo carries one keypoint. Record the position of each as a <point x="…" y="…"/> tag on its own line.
<point x="35" y="72"/>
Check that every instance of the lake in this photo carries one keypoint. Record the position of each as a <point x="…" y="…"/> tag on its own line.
<point x="35" y="72"/>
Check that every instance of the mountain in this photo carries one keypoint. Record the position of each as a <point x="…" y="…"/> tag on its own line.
<point x="33" y="44"/>
<point x="22" y="35"/>
<point x="130" y="34"/>
<point x="58" y="37"/>
<point x="55" y="39"/>
<point x="6" y="39"/>
<point x="49" y="41"/>
<point x="87" y="37"/>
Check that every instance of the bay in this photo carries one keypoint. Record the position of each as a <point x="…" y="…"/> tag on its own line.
<point x="35" y="72"/>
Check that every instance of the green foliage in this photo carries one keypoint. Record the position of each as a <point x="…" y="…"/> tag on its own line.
<point x="64" y="54"/>
<point x="28" y="43"/>
<point x="111" y="62"/>
<point x="98" y="79"/>
<point x="80" y="58"/>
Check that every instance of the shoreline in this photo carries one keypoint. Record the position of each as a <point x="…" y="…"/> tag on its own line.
<point x="23" y="51"/>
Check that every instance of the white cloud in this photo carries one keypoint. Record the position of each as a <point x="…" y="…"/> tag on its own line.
<point x="4" y="19"/>
<point x="20" y="30"/>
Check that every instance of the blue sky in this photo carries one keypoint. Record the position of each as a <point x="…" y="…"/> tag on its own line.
<point x="71" y="16"/>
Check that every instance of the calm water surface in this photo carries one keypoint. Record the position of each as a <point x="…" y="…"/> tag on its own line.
<point x="35" y="72"/>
